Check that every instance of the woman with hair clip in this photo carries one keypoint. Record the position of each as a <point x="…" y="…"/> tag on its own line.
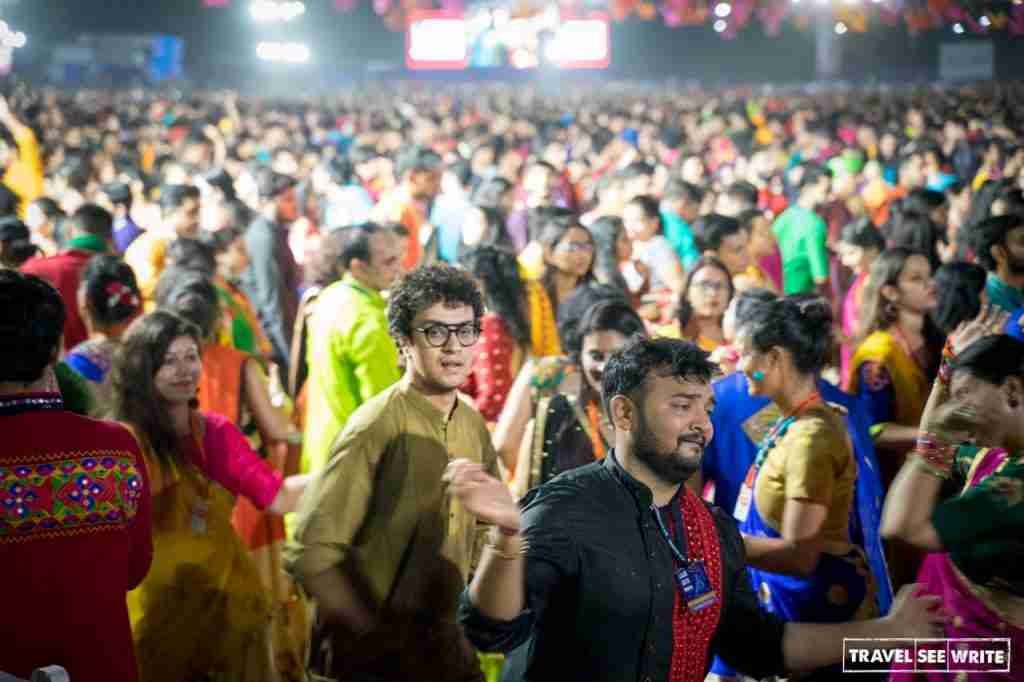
<point x="504" y="330"/>
<point x="109" y="301"/>
<point x="794" y="508"/>
<point x="16" y="245"/>
<point x="974" y="534"/>
<point x="898" y="352"/>
<point x="202" y="611"/>
<point x="568" y="251"/>
<point x="702" y="305"/>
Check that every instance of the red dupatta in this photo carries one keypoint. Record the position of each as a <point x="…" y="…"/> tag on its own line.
<point x="692" y="632"/>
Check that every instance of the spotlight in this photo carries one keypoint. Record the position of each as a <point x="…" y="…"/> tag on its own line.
<point x="18" y="39"/>
<point x="720" y="25"/>
<point x="723" y="9"/>
<point x="985" y="21"/>
<point x="266" y="11"/>
<point x="841" y="28"/>
<point x="958" y="28"/>
<point x="288" y="53"/>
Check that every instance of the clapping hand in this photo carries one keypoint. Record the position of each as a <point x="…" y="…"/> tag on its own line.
<point x="482" y="495"/>
<point x="989" y="321"/>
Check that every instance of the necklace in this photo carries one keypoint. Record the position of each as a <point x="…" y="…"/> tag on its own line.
<point x="780" y="427"/>
<point x="30" y="403"/>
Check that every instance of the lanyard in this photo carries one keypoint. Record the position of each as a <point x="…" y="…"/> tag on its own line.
<point x="679" y="555"/>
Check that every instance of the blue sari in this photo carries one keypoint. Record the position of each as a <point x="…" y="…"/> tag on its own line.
<point x="731" y="452"/>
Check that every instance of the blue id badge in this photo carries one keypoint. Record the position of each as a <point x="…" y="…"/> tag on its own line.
<point x="695" y="587"/>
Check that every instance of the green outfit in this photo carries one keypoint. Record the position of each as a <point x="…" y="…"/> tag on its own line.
<point x="1002" y="294"/>
<point x="680" y="235"/>
<point x="802" y="237"/>
<point x="981" y="528"/>
<point x="379" y="513"/>
<point x="351" y="358"/>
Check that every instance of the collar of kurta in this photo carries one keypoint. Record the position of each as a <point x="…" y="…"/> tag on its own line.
<point x="421" y="401"/>
<point x="89" y="242"/>
<point x="373" y="294"/>
<point x="640" y="492"/>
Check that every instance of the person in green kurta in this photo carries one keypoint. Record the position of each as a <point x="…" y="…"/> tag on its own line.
<point x="802" y="236"/>
<point x="381" y="547"/>
<point x="350" y="352"/>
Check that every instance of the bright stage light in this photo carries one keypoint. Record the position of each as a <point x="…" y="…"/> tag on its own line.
<point x="958" y="28"/>
<point x="288" y="53"/>
<point x="723" y="9"/>
<point x="841" y="28"/>
<point x="985" y="21"/>
<point x="11" y="39"/>
<point x="720" y="26"/>
<point x="266" y="11"/>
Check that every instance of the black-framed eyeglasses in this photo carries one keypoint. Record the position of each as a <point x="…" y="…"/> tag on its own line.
<point x="437" y="334"/>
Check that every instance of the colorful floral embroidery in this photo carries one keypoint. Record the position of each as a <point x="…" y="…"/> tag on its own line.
<point x="87" y="493"/>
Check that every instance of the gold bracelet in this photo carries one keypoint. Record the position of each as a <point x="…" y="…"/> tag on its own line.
<point x="502" y="554"/>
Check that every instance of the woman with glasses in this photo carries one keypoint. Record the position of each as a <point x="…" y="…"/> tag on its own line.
<point x="702" y="305"/>
<point x="568" y="250"/>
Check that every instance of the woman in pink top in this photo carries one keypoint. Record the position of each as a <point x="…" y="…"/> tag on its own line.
<point x="201" y="612"/>
<point x="859" y="244"/>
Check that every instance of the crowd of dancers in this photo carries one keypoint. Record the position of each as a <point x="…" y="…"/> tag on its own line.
<point x="476" y="383"/>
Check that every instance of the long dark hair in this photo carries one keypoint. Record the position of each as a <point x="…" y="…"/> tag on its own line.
<point x="136" y="364"/>
<point x="959" y="286"/>
<point x="606" y="232"/>
<point x="551" y="229"/>
<point x="504" y="292"/>
<point x="878" y="315"/>
<point x="685" y="309"/>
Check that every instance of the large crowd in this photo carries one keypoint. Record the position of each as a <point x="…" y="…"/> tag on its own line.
<point x="467" y="383"/>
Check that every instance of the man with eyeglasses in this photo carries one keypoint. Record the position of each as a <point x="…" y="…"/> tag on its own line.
<point x="380" y="547"/>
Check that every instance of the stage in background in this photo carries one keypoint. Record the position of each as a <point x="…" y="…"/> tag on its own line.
<point x="486" y="36"/>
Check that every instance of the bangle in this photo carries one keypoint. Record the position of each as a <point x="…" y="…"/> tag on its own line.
<point x="503" y="554"/>
<point x="946" y="366"/>
<point x="936" y="453"/>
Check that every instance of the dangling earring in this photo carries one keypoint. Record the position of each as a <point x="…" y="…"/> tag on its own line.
<point x="757" y="375"/>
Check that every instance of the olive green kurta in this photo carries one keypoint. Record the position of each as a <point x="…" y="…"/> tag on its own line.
<point x="380" y="513"/>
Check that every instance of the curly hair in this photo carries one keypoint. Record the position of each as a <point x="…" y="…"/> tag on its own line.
<point x="426" y="286"/>
<point x="31" y="324"/>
